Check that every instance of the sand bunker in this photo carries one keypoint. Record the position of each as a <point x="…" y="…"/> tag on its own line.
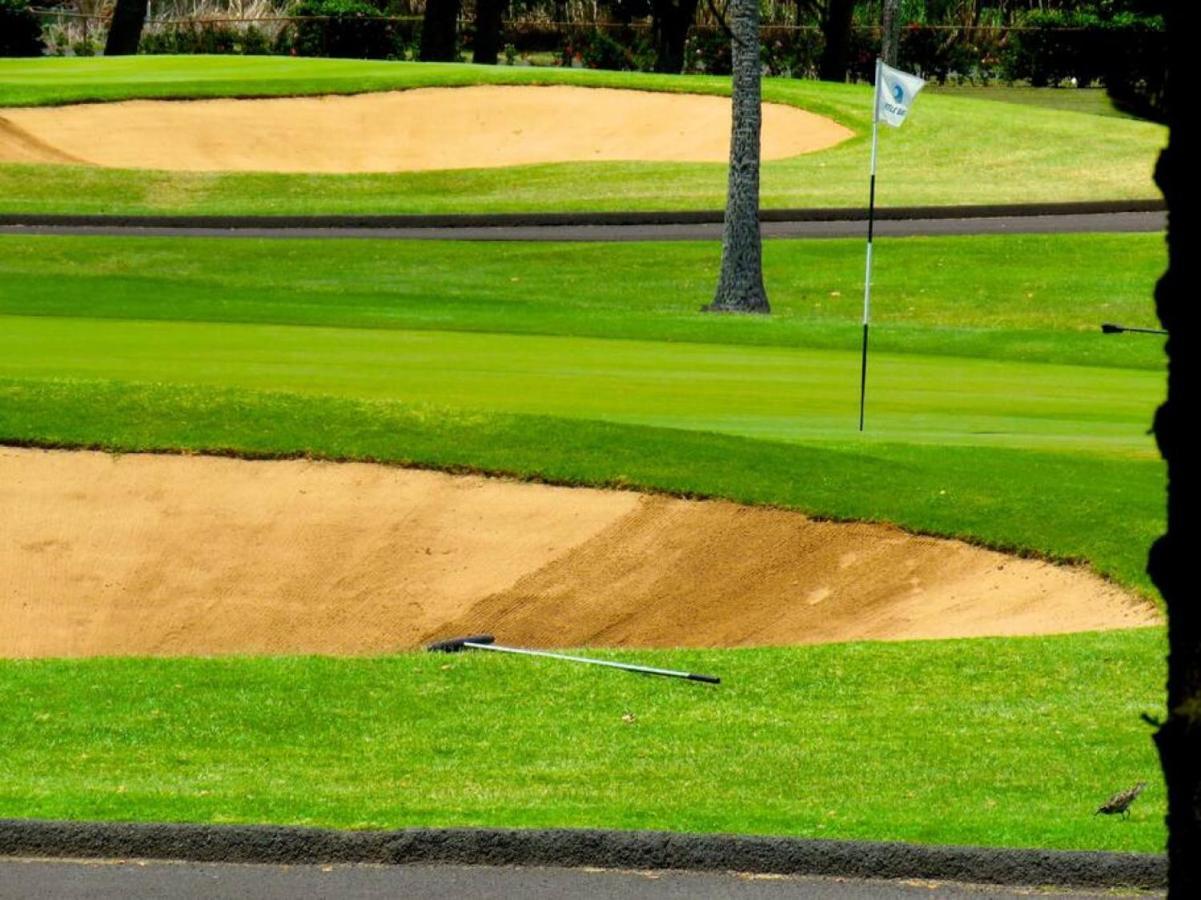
<point x="171" y="555"/>
<point x="427" y="128"/>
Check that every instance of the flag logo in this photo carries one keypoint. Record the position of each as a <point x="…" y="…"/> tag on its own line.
<point x="896" y="91"/>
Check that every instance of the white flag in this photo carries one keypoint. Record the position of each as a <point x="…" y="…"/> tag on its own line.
<point x="895" y="92"/>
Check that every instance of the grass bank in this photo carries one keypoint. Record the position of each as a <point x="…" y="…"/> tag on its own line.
<point x="955" y="150"/>
<point x="983" y="742"/>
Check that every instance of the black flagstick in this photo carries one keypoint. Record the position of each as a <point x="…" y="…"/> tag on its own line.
<point x="871" y="220"/>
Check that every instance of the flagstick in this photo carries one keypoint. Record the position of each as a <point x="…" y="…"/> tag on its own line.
<point x="871" y="219"/>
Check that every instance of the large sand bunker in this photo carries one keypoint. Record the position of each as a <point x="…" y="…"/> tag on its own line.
<point x="426" y="128"/>
<point x="172" y="555"/>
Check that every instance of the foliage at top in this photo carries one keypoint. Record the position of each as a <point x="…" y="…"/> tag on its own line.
<point x="20" y="30"/>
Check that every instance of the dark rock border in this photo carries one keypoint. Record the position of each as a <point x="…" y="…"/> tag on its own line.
<point x="536" y="219"/>
<point x="581" y="847"/>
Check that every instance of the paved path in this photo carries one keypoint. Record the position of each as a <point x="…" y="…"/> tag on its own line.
<point x="102" y="880"/>
<point x="1060" y="223"/>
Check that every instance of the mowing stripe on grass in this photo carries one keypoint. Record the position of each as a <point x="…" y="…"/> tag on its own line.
<point x="1022" y="297"/>
<point x="769" y="393"/>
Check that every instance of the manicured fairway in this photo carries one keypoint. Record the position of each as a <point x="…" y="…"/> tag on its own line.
<point x="1029" y="298"/>
<point x="988" y="742"/>
<point x="956" y="150"/>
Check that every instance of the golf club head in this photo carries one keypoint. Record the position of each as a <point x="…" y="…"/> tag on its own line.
<point x="1110" y="328"/>
<point x="454" y="645"/>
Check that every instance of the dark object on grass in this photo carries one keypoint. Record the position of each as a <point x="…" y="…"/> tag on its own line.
<point x="486" y="642"/>
<point x="1110" y="328"/>
<point x="1120" y="802"/>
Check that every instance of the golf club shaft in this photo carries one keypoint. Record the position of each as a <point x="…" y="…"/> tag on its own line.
<point x="1144" y="330"/>
<point x="629" y="667"/>
<point x="1111" y="328"/>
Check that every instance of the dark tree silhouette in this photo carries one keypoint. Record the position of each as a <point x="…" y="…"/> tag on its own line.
<point x="488" y="15"/>
<point x="836" y="27"/>
<point x="670" y="22"/>
<point x="125" y="30"/>
<point x="1170" y="564"/>
<point x="740" y="286"/>
<point x="439" y="31"/>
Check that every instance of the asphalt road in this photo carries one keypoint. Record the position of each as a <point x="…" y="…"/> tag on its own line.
<point x="1019" y="224"/>
<point x="140" y="880"/>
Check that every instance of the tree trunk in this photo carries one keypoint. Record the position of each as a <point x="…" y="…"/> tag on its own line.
<point x="439" y="29"/>
<point x="1170" y="564"/>
<point x="836" y="27"/>
<point x="891" y="31"/>
<point x="670" y="24"/>
<point x="740" y="287"/>
<point x="125" y="30"/>
<point x="488" y="16"/>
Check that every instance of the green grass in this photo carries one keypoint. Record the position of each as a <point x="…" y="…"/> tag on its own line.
<point x="984" y="742"/>
<point x="1028" y="298"/>
<point x="1094" y="101"/>
<point x="601" y="371"/>
<point x="954" y="150"/>
<point x="997" y="412"/>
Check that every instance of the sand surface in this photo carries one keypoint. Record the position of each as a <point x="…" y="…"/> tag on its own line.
<point x="421" y="129"/>
<point x="170" y="555"/>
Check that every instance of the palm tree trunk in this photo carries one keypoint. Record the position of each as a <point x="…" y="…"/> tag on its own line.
<point x="740" y="287"/>
<point x="890" y="24"/>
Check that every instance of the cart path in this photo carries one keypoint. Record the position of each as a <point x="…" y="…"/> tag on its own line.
<point x="135" y="880"/>
<point x="1128" y="221"/>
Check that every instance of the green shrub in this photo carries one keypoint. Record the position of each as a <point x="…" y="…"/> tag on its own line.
<point x="1123" y="52"/>
<point x="348" y="29"/>
<point x="708" y="50"/>
<point x="625" y="50"/>
<point x="20" y="30"/>
<point x="85" y="47"/>
<point x="206" y="37"/>
<point x="791" y="53"/>
<point x="963" y="55"/>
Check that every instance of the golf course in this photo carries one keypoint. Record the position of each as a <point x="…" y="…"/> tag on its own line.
<point x="238" y="474"/>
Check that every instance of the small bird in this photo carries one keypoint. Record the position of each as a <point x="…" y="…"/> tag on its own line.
<point x="1120" y="802"/>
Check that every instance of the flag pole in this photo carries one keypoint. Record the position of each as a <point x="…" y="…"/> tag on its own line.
<point x="871" y="219"/>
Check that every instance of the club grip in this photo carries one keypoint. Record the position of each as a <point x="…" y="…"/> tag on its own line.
<point x="708" y="679"/>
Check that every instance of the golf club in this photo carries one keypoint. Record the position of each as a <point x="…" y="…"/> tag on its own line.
<point x="1110" y="328"/>
<point x="487" y="642"/>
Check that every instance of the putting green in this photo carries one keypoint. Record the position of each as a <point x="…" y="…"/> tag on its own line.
<point x="765" y="392"/>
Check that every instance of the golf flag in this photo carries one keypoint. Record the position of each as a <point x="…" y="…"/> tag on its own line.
<point x="895" y="93"/>
<point x="894" y="96"/>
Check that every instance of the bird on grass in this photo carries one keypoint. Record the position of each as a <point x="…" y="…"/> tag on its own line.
<point x="1120" y="802"/>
